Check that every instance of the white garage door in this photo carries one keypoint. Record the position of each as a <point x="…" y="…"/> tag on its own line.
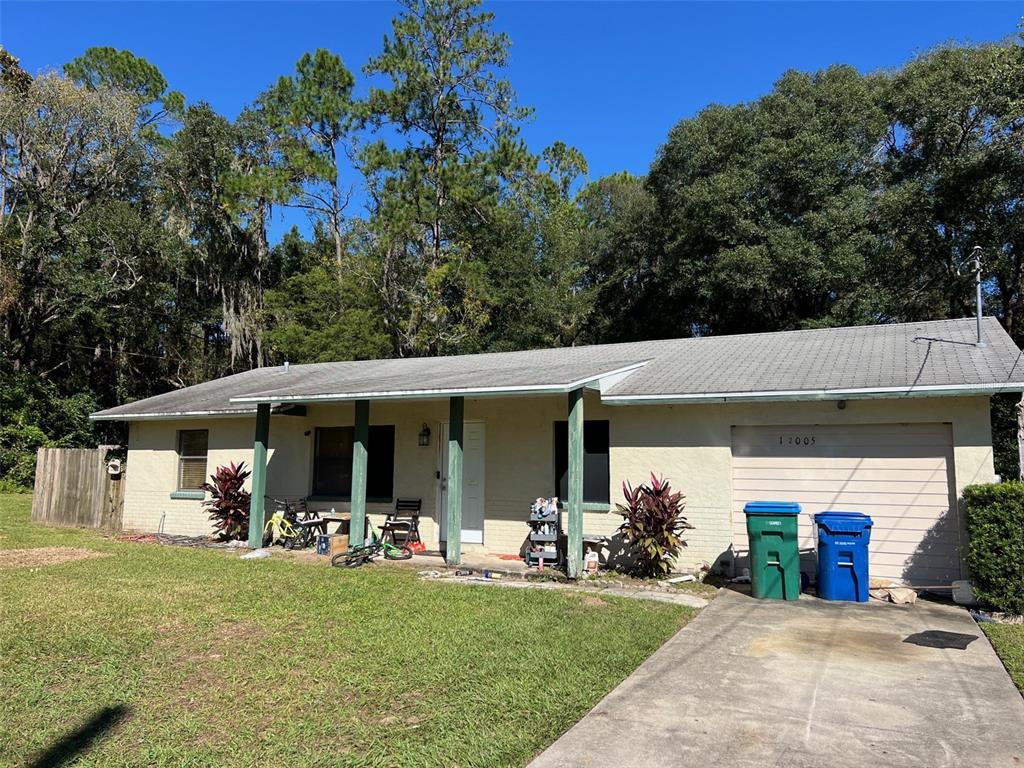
<point x="899" y="474"/>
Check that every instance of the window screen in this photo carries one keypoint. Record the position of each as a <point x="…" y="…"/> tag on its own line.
<point x="595" y="461"/>
<point x="332" y="462"/>
<point x="192" y="448"/>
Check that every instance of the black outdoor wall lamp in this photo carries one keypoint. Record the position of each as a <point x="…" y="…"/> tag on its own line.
<point x="424" y="435"/>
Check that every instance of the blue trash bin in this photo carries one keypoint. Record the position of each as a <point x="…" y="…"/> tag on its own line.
<point x="843" y="539"/>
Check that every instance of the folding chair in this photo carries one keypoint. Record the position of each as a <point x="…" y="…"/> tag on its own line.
<point x="404" y="521"/>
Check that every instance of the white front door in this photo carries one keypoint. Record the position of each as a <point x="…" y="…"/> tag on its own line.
<point x="472" y="483"/>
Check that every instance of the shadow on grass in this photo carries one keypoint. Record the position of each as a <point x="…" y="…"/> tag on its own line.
<point x="71" y="745"/>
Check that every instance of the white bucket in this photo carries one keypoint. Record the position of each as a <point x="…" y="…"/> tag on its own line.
<point x="963" y="594"/>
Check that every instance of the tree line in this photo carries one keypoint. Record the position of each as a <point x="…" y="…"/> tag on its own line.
<point x="135" y="256"/>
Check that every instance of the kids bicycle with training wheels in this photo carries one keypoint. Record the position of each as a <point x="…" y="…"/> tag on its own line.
<point x="357" y="556"/>
<point x="288" y="528"/>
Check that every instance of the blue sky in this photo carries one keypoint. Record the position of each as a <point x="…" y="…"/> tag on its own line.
<point x="610" y="78"/>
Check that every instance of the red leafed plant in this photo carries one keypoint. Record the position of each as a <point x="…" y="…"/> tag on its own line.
<point x="653" y="525"/>
<point x="229" y="502"/>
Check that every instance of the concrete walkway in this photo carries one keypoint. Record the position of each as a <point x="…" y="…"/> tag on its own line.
<point x="809" y="683"/>
<point x="675" y="596"/>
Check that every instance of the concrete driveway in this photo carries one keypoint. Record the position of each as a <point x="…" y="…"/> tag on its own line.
<point x="809" y="683"/>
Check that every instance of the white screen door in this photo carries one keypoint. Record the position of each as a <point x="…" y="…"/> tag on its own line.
<point x="472" y="483"/>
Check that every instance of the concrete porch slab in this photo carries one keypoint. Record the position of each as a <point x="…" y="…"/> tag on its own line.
<point x="475" y="561"/>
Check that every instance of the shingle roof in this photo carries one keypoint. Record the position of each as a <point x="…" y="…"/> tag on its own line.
<point x="533" y="370"/>
<point x="906" y="357"/>
<point x="909" y="358"/>
<point x="210" y="397"/>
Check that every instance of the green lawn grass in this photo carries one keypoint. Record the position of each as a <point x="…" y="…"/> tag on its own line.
<point x="1008" y="640"/>
<point x="219" y="661"/>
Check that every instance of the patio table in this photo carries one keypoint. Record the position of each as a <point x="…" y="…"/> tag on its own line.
<point x="341" y="518"/>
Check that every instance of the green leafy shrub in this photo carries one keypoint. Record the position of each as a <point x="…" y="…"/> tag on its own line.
<point x="229" y="502"/>
<point x="34" y="413"/>
<point x="18" y="444"/>
<point x="995" y="524"/>
<point x="653" y="526"/>
<point x="6" y="486"/>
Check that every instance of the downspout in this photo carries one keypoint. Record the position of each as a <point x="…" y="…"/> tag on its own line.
<point x="1020" y="437"/>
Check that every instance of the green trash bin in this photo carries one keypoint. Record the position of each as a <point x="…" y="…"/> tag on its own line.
<point x="774" y="549"/>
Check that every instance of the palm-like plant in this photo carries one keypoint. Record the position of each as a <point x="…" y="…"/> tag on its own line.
<point x="229" y="502"/>
<point x="653" y="525"/>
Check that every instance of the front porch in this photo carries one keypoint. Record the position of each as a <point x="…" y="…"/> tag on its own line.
<point x="477" y="463"/>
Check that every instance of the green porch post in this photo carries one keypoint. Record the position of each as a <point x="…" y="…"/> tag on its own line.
<point x="259" y="475"/>
<point x="574" y="504"/>
<point x="453" y="547"/>
<point x="360" y="454"/>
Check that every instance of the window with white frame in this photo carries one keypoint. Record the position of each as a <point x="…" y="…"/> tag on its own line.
<point x="193" y="445"/>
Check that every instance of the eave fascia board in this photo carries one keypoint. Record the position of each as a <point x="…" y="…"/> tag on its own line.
<point x="423" y="394"/>
<point x="172" y="415"/>
<point x="208" y="414"/>
<point x="815" y="394"/>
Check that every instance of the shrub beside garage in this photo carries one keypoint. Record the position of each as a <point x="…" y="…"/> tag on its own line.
<point x="995" y="524"/>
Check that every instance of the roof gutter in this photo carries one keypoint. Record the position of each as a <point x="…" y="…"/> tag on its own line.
<point x="942" y="390"/>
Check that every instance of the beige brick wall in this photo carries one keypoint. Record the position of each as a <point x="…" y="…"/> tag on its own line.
<point x="152" y="473"/>
<point x="689" y="444"/>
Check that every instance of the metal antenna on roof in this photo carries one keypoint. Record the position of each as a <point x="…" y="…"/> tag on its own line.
<point x="975" y="258"/>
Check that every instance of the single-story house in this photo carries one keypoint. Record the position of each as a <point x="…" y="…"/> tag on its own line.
<point x="891" y="420"/>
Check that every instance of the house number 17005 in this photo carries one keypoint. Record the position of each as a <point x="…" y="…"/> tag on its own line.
<point x="796" y="439"/>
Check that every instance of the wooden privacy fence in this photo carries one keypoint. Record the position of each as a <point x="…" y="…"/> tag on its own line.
<point x="74" y="488"/>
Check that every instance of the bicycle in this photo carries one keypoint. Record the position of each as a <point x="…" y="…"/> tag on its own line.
<point x="357" y="556"/>
<point x="284" y="526"/>
<point x="279" y="528"/>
